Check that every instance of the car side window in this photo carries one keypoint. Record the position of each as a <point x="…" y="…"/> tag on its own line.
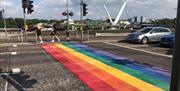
<point x="164" y="30"/>
<point x="156" y="30"/>
<point x="160" y="30"/>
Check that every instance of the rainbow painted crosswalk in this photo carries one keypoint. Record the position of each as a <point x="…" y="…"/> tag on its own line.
<point x="103" y="71"/>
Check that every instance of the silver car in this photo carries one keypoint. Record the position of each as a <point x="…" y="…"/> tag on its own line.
<point x="148" y="34"/>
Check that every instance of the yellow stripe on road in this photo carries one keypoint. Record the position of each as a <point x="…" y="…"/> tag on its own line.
<point x="137" y="83"/>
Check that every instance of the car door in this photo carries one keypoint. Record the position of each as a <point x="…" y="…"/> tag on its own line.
<point x="153" y="35"/>
<point x="164" y="32"/>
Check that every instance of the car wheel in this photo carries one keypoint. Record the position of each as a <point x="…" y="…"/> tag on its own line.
<point x="144" y="40"/>
<point x="171" y="45"/>
<point x="162" y="45"/>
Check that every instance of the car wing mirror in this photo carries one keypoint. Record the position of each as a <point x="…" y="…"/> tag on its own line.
<point x="132" y="31"/>
<point x="151" y="32"/>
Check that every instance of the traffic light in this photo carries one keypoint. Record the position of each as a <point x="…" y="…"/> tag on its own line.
<point x="24" y="4"/>
<point x="64" y="13"/>
<point x="85" y="9"/>
<point x="71" y="14"/>
<point x="30" y="7"/>
<point x="1" y="14"/>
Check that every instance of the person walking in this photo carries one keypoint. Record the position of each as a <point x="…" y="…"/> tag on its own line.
<point x="67" y="35"/>
<point x="39" y="28"/>
<point x="53" y="32"/>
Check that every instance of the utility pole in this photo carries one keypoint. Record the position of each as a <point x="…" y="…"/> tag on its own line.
<point x="175" y="77"/>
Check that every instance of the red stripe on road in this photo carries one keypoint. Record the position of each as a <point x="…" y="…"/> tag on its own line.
<point x="94" y="77"/>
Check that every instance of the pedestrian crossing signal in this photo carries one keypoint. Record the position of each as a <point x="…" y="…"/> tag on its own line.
<point x="1" y="15"/>
<point x="85" y="9"/>
<point x="30" y="7"/>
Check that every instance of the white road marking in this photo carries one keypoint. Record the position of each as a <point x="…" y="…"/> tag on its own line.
<point x="13" y="53"/>
<point x="4" y="53"/>
<point x="11" y="44"/>
<point x="15" y="45"/>
<point x="100" y="41"/>
<point x="163" y="55"/>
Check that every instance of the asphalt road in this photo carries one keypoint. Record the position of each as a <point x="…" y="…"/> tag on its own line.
<point x="152" y="47"/>
<point x="40" y="72"/>
<point x="145" y="58"/>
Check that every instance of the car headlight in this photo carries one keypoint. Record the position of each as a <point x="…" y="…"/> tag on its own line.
<point x="139" y="36"/>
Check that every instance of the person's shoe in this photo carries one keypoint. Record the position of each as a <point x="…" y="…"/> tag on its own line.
<point x="52" y="41"/>
<point x="41" y="42"/>
<point x="59" y="40"/>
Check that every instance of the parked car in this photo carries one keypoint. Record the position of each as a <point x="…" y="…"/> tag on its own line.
<point x="47" y="27"/>
<point x="146" y="25"/>
<point x="168" y="40"/>
<point x="148" y="34"/>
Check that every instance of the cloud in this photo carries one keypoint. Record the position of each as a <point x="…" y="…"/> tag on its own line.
<point x="6" y="3"/>
<point x="52" y="9"/>
<point x="11" y="10"/>
<point x="153" y="8"/>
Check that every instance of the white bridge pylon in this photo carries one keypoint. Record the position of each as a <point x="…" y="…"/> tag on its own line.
<point x="119" y="13"/>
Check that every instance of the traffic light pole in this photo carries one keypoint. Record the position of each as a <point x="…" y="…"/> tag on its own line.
<point x="24" y="26"/>
<point x="67" y="13"/>
<point x="175" y="77"/>
<point x="4" y="18"/>
<point x="26" y="4"/>
<point x="81" y="13"/>
<point x="24" y="14"/>
<point x="8" y="56"/>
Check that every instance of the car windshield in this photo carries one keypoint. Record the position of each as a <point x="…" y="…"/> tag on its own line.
<point x="144" y="30"/>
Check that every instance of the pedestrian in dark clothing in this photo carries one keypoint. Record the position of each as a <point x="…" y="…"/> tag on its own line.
<point x="53" y="33"/>
<point x="38" y="31"/>
<point x="67" y="35"/>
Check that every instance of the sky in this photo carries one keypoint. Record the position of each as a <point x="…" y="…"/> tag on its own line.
<point x="52" y="9"/>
